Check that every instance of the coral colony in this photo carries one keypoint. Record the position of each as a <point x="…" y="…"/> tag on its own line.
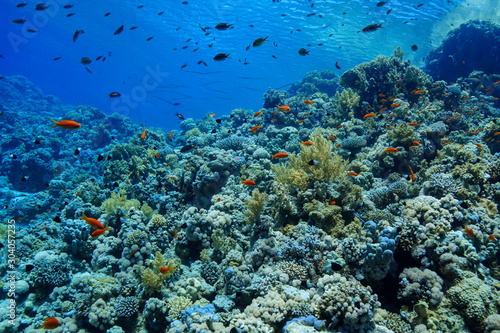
<point x="370" y="208"/>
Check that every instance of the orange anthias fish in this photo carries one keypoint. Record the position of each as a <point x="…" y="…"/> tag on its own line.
<point x="279" y="155"/>
<point x="255" y="129"/>
<point x="352" y="173"/>
<point x="306" y="143"/>
<point x="170" y="134"/>
<point x="469" y="232"/>
<point x="248" y="182"/>
<point x="309" y="102"/>
<point x="416" y="143"/>
<point x="50" y="323"/>
<point x="414" y="124"/>
<point x="167" y="270"/>
<point x="369" y="115"/>
<point x="92" y="222"/>
<point x="66" y="124"/>
<point x="100" y="232"/>
<point x="412" y="174"/>
<point x="394" y="105"/>
<point x="256" y="114"/>
<point x="284" y="108"/>
<point x="492" y="238"/>
<point x="143" y="136"/>
<point x="332" y="137"/>
<point x="391" y="150"/>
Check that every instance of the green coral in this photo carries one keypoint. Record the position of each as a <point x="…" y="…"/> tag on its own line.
<point x="347" y="99"/>
<point x="177" y="304"/>
<point x="158" y="221"/>
<point x="153" y="279"/>
<point x="119" y="200"/>
<point x="255" y="205"/>
<point x="136" y="237"/>
<point x="403" y="135"/>
<point x="301" y="172"/>
<point x="194" y="132"/>
<point x="147" y="210"/>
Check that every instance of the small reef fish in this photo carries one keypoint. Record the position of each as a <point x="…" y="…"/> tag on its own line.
<point x="224" y="26"/>
<point x="86" y="61"/>
<point x="352" y="173"/>
<point x="143" y="136"/>
<point x="132" y="253"/>
<point x="92" y="222"/>
<point x="309" y="102"/>
<point x="469" y="232"/>
<point x="279" y="156"/>
<point x="371" y="27"/>
<point x="332" y="137"/>
<point x="187" y="148"/>
<point x="414" y="124"/>
<point x="50" y="323"/>
<point x="301" y="121"/>
<point x="180" y="116"/>
<point x="306" y="143"/>
<point x="248" y="182"/>
<point x="416" y="143"/>
<point x="259" y="41"/>
<point x="337" y="65"/>
<point x="369" y="115"/>
<point x="492" y="238"/>
<point x="256" y="114"/>
<point x="100" y="232"/>
<point x="255" y="129"/>
<point x="284" y="108"/>
<point x="18" y="21"/>
<point x="119" y="30"/>
<point x="75" y="35"/>
<point x="167" y="270"/>
<point x="412" y="174"/>
<point x="221" y="56"/>
<point x="391" y="150"/>
<point x="303" y="52"/>
<point x="114" y="94"/>
<point x="66" y="124"/>
<point x="395" y="105"/>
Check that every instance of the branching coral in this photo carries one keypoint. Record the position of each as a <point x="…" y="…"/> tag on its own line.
<point x="315" y="162"/>
<point x="347" y="99"/>
<point x="119" y="200"/>
<point x="255" y="205"/>
<point x="153" y="279"/>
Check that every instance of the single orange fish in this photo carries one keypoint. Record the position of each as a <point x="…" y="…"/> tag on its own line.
<point x="279" y="155"/>
<point x="274" y="119"/>
<point x="307" y="114"/>
<point x="157" y="155"/>
<point x="340" y="126"/>
<point x="255" y="129"/>
<point x="416" y="143"/>
<point x="412" y="174"/>
<point x="492" y="238"/>
<point x="284" y="108"/>
<point x="143" y="136"/>
<point x="496" y="134"/>
<point x="92" y="222"/>
<point x="381" y="95"/>
<point x="338" y="145"/>
<point x="66" y="124"/>
<point x="100" y="232"/>
<point x="176" y="235"/>
<point x="306" y="143"/>
<point x="417" y="92"/>
<point x="352" y="173"/>
<point x="256" y="114"/>
<point x="212" y="115"/>
<point x="332" y="137"/>
<point x="469" y="232"/>
<point x="248" y="182"/>
<point x="383" y="100"/>
<point x="445" y="141"/>
<point x="218" y="199"/>
<point x="132" y="253"/>
<point x="369" y="115"/>
<point x="488" y="139"/>
<point x="395" y="105"/>
<point x="391" y="150"/>
<point x="170" y="134"/>
<point x="50" y="323"/>
<point x="300" y="121"/>
<point x="43" y="228"/>
<point x="479" y="146"/>
<point x="167" y="270"/>
<point x="309" y="102"/>
<point x="332" y="203"/>
<point x="414" y="124"/>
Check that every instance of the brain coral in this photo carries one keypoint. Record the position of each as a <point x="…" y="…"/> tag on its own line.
<point x="126" y="306"/>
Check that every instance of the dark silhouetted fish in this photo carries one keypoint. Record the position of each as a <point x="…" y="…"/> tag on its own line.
<point x="224" y="26"/>
<point x="76" y="34"/>
<point x="119" y="30"/>
<point x="303" y="52"/>
<point x="221" y="56"/>
<point x="371" y="27"/>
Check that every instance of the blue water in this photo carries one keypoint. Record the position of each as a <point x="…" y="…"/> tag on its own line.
<point x="221" y="86"/>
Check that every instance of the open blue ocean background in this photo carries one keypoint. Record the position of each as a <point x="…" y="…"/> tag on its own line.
<point x="148" y="74"/>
